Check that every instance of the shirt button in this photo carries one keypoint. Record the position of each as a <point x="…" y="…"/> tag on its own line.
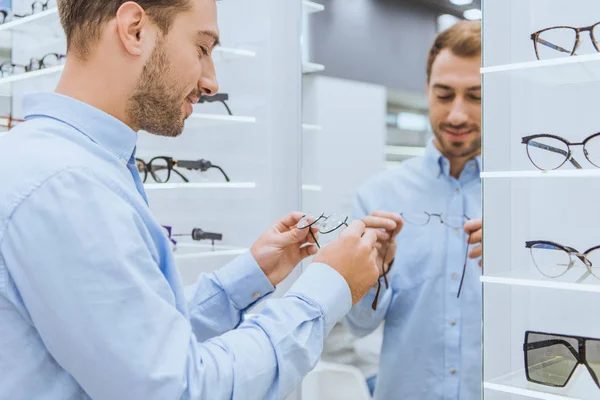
<point x="457" y="192"/>
<point x="452" y="323"/>
<point x="456" y="232"/>
<point x="453" y="371"/>
<point x="256" y="295"/>
<point x="454" y="277"/>
<point x="472" y="165"/>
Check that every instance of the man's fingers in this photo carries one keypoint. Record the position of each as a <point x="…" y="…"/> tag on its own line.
<point x="356" y="228"/>
<point x="476" y="237"/>
<point x="476" y="252"/>
<point x="308" y="251"/>
<point x="382" y="236"/>
<point x="291" y="220"/>
<point x="379" y="223"/>
<point x="473" y="225"/>
<point x="369" y="238"/>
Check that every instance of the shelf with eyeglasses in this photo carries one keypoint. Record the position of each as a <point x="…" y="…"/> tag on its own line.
<point x="311" y="7"/>
<point x="554" y="72"/>
<point x="50" y="15"/>
<point x="199" y="185"/>
<point x="575" y="281"/>
<point x="516" y="383"/>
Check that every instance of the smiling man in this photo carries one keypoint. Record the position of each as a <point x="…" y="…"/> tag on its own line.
<point x="432" y="347"/>
<point x="91" y="302"/>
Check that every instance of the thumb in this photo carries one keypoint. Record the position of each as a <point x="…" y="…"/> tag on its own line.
<point x="308" y="251"/>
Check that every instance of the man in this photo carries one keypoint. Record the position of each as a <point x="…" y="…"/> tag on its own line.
<point x="431" y="347"/>
<point x="91" y="303"/>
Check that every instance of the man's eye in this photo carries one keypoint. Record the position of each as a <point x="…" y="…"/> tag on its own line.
<point x="447" y="97"/>
<point x="203" y="50"/>
<point x="476" y="98"/>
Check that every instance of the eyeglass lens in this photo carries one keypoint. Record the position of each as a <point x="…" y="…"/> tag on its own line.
<point x="551" y="360"/>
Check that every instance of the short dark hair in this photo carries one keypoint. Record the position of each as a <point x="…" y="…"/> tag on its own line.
<point x="82" y="20"/>
<point x="462" y="38"/>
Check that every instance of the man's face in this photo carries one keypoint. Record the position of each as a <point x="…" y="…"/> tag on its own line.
<point x="454" y="96"/>
<point x="178" y="71"/>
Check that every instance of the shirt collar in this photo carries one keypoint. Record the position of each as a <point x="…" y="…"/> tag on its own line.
<point x="436" y="161"/>
<point x="100" y="127"/>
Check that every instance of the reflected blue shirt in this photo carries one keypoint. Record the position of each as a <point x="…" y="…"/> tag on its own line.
<point x="91" y="302"/>
<point x="432" y="340"/>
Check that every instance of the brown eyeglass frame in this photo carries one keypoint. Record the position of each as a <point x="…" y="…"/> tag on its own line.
<point x="536" y="39"/>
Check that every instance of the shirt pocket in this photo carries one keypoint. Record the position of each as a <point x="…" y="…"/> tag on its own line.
<point x="419" y="256"/>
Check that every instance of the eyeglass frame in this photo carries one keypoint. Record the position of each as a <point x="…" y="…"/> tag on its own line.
<point x="579" y="354"/>
<point x="569" y="250"/>
<point x="535" y="38"/>
<point x="219" y="97"/>
<point x="569" y="156"/>
<point x="30" y="67"/>
<point x="202" y="165"/>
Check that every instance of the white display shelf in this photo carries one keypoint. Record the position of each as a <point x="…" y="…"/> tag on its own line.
<point x="556" y="72"/>
<point x="577" y="279"/>
<point x="222" y="118"/>
<point x="201" y="185"/>
<point x="312" y="68"/>
<point x="31" y="75"/>
<point x="311" y="127"/>
<point x="312" y="188"/>
<point x="311" y="7"/>
<point x="191" y="251"/>
<point x="580" y="387"/>
<point x="410" y="151"/>
<point x="578" y="173"/>
<point x="230" y="53"/>
<point x="20" y="23"/>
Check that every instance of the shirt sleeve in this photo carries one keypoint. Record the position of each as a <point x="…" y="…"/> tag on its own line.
<point x="362" y="319"/>
<point x="219" y="300"/>
<point x="80" y="258"/>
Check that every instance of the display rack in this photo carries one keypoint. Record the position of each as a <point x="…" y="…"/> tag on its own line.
<point x="525" y="96"/>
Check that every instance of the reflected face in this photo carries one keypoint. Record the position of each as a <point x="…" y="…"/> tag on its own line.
<point x="179" y="70"/>
<point x="454" y="96"/>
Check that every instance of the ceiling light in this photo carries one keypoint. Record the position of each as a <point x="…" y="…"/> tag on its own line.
<point x="461" y="2"/>
<point x="473" y="14"/>
<point x="445" y="21"/>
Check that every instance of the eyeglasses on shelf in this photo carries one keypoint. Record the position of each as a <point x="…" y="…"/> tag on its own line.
<point x="562" y="41"/>
<point x="36" y="7"/>
<point x="219" y="97"/>
<point x="160" y="168"/>
<point x="8" y="68"/>
<point x="550" y="152"/>
<point x="197" y="234"/>
<point x="553" y="260"/>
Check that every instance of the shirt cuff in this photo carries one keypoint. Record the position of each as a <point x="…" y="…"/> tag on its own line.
<point x="324" y="286"/>
<point x="244" y="282"/>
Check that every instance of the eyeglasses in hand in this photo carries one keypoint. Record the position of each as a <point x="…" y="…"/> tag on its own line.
<point x="160" y="168"/>
<point x="550" y="152"/>
<point x="219" y="97"/>
<point x="562" y="41"/>
<point x="553" y="260"/>
<point x="456" y="222"/>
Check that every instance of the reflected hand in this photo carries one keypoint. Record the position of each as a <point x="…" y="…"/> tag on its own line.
<point x="282" y="247"/>
<point x="387" y="226"/>
<point x="474" y="228"/>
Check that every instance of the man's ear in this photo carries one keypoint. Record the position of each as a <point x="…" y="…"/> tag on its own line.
<point x="131" y="22"/>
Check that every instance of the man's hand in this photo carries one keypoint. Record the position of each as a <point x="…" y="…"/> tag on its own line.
<point x="387" y="226"/>
<point x="280" y="248"/>
<point x="353" y="255"/>
<point x="474" y="228"/>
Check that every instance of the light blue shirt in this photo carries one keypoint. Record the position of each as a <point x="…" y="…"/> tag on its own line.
<point x="91" y="302"/>
<point x="432" y="340"/>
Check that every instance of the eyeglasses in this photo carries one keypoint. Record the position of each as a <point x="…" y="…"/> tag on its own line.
<point x="160" y="168"/>
<point x="549" y="152"/>
<point x="562" y="41"/>
<point x="36" y="7"/>
<point x="331" y="223"/>
<point x="455" y="222"/>
<point x="219" y="97"/>
<point x="553" y="260"/>
<point x="197" y="234"/>
<point x="49" y="60"/>
<point x="551" y="359"/>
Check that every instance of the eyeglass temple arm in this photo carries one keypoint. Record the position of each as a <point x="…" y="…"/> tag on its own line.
<point x="551" y="45"/>
<point x="554" y="150"/>
<point x="186" y="180"/>
<point x="223" y="172"/>
<point x="549" y="343"/>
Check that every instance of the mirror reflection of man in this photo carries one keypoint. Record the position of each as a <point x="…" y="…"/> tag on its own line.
<point x="432" y="339"/>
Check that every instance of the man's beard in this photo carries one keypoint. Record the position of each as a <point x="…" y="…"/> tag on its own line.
<point x="460" y="149"/>
<point x="156" y="104"/>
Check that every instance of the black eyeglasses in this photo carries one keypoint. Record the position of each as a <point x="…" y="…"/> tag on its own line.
<point x="8" y="68"/>
<point x="197" y="234"/>
<point x="551" y="359"/>
<point x="36" y="7"/>
<point x="553" y="260"/>
<point x="160" y="168"/>
<point x="219" y="97"/>
<point x="549" y="152"/>
<point x="456" y="222"/>
<point x="562" y="41"/>
<point x="331" y="223"/>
